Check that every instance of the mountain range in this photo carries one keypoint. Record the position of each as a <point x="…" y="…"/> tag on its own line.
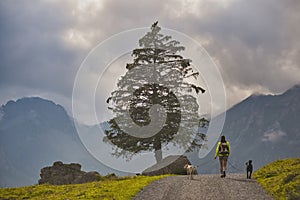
<point x="262" y="128"/>
<point x="35" y="132"/>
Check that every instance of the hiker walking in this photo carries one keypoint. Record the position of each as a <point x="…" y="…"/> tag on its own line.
<point x="223" y="151"/>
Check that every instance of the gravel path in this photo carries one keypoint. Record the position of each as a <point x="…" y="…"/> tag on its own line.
<point x="206" y="186"/>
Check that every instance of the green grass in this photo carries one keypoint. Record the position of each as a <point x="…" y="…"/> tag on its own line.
<point x="121" y="188"/>
<point x="281" y="178"/>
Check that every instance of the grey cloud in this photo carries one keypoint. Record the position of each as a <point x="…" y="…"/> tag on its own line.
<point x="273" y="136"/>
<point x="255" y="42"/>
<point x="252" y="37"/>
<point x="33" y="54"/>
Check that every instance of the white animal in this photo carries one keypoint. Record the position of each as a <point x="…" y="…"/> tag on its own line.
<point x="190" y="170"/>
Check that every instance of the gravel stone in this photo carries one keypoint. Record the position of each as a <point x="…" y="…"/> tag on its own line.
<point x="204" y="186"/>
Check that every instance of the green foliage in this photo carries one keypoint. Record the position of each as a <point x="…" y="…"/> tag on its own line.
<point x="281" y="178"/>
<point x="118" y="189"/>
<point x="158" y="75"/>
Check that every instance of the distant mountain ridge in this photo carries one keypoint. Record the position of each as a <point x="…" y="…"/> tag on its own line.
<point x="34" y="133"/>
<point x="262" y="128"/>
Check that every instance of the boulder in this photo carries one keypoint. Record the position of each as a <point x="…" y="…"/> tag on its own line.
<point x="169" y="165"/>
<point x="62" y="174"/>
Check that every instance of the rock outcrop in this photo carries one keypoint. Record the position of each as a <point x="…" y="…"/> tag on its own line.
<point x="61" y="174"/>
<point x="169" y="165"/>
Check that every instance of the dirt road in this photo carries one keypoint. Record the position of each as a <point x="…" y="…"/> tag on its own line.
<point x="207" y="186"/>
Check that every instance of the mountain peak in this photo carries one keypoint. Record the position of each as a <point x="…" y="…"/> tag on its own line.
<point x="295" y="88"/>
<point x="258" y="128"/>
<point x="29" y="109"/>
<point x="29" y="100"/>
<point x="253" y="97"/>
<point x="35" y="132"/>
<point x="31" y="103"/>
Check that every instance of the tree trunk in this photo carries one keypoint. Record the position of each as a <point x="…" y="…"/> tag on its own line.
<point x="158" y="155"/>
<point x="158" y="151"/>
<point x="157" y="142"/>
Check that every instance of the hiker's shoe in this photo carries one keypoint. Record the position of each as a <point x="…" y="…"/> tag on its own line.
<point x="224" y="174"/>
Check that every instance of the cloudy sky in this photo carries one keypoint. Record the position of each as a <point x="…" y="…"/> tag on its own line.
<point x="255" y="44"/>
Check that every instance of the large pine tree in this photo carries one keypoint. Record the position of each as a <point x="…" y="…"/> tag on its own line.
<point x="154" y="93"/>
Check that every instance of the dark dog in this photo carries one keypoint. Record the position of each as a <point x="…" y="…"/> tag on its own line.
<point x="249" y="169"/>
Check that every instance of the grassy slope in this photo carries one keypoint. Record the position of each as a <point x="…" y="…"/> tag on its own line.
<point x="281" y="178"/>
<point x="123" y="188"/>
